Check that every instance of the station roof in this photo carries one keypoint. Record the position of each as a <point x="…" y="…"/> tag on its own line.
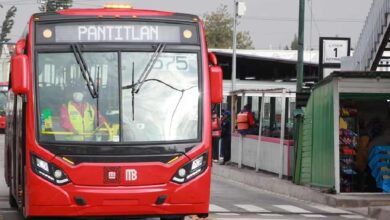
<point x="284" y="56"/>
<point x="268" y="65"/>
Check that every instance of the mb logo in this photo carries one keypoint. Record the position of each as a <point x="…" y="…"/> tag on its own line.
<point x="131" y="175"/>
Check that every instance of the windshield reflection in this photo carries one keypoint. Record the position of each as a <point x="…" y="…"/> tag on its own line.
<point x="165" y="109"/>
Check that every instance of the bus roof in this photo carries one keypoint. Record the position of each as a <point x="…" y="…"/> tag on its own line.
<point x="113" y="13"/>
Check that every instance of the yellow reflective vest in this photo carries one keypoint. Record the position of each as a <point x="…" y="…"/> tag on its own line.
<point x="83" y="125"/>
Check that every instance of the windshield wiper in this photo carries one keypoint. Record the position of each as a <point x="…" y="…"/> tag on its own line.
<point x="97" y="98"/>
<point x="84" y="70"/>
<point x="132" y="92"/>
<point x="148" y="68"/>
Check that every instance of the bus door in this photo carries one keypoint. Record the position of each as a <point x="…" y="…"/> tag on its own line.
<point x="16" y="147"/>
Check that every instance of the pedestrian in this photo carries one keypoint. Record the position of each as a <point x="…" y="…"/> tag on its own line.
<point x="216" y="135"/>
<point x="226" y="136"/>
<point x="246" y="121"/>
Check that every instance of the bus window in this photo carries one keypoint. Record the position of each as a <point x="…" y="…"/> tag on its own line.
<point x="59" y="78"/>
<point x="166" y="106"/>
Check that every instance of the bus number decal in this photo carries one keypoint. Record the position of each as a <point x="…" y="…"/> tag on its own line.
<point x="131" y="175"/>
<point x="169" y="62"/>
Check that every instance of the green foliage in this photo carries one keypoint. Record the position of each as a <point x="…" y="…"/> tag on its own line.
<point x="244" y="40"/>
<point x="294" y="43"/>
<point x="55" y="5"/>
<point x="219" y="30"/>
<point x="7" y="24"/>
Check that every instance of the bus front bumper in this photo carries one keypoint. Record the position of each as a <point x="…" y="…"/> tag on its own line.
<point x="46" y="199"/>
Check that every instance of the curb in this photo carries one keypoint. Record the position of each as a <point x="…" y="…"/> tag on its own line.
<point x="379" y="212"/>
<point x="285" y="187"/>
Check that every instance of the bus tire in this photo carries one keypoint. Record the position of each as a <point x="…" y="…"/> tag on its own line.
<point x="11" y="200"/>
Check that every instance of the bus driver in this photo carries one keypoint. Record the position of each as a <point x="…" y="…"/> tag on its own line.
<point x="79" y="117"/>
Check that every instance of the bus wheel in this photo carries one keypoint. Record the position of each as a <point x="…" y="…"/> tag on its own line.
<point x="11" y="200"/>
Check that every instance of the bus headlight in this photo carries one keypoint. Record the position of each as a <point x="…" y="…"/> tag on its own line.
<point x="48" y="171"/>
<point x="192" y="169"/>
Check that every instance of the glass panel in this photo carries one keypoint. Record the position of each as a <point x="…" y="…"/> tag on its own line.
<point x="166" y="106"/>
<point x="67" y="110"/>
<point x="3" y="102"/>
<point x="290" y="121"/>
<point x="266" y="129"/>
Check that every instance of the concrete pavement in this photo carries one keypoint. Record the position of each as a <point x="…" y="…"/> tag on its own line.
<point x="372" y="205"/>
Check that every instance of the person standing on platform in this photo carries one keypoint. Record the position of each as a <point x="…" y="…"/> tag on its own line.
<point x="216" y="135"/>
<point x="226" y="136"/>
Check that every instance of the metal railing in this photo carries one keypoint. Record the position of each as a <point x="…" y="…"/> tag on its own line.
<point x="370" y="38"/>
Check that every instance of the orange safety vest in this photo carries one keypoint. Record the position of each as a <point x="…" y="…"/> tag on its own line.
<point x="216" y="127"/>
<point x="242" y="121"/>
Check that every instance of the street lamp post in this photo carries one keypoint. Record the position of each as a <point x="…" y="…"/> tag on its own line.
<point x="234" y="45"/>
<point x="239" y="11"/>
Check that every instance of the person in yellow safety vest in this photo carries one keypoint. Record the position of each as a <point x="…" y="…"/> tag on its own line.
<point x="79" y="117"/>
<point x="246" y="121"/>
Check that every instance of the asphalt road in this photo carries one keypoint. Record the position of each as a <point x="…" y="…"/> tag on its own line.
<point x="229" y="201"/>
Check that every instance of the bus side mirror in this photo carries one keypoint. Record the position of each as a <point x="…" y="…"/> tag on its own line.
<point x="19" y="74"/>
<point x="216" y="76"/>
<point x="216" y="88"/>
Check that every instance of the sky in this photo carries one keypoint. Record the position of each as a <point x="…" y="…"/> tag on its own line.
<point x="272" y="23"/>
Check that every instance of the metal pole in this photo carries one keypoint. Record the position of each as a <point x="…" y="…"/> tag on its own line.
<point x="257" y="164"/>
<point x="282" y="125"/>
<point x="234" y="45"/>
<point x="241" y="143"/>
<point x="233" y="104"/>
<point x="301" y="33"/>
<point x="220" y="139"/>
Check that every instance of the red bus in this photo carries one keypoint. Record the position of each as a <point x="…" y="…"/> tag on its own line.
<point x="110" y="115"/>
<point x="3" y="105"/>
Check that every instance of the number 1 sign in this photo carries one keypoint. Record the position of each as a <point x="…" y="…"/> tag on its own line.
<point x="331" y="51"/>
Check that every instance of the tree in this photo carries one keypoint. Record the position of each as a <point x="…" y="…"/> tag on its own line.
<point x="219" y="30"/>
<point x="55" y="5"/>
<point x="7" y="24"/>
<point x="294" y="43"/>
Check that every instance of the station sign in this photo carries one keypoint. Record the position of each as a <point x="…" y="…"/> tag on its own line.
<point x="332" y="49"/>
<point x="93" y="32"/>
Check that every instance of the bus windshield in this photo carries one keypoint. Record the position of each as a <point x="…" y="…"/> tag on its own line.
<point x="128" y="106"/>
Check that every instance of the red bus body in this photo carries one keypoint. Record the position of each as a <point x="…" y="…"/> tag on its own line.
<point x="152" y="193"/>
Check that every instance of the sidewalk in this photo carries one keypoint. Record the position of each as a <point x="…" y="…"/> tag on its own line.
<point x="373" y="205"/>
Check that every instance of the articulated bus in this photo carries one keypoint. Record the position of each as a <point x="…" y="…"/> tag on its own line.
<point x="110" y="115"/>
<point x="3" y="104"/>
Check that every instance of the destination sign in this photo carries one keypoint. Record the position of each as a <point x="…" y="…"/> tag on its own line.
<point x="116" y="32"/>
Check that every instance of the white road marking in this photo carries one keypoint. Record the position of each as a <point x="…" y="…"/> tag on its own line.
<point x="228" y="214"/>
<point x="351" y="216"/>
<point x="291" y="208"/>
<point x="271" y="215"/>
<point x="251" y="208"/>
<point x="254" y="219"/>
<point x="8" y="211"/>
<point x="329" y="209"/>
<point x="313" y="216"/>
<point x="215" y="208"/>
